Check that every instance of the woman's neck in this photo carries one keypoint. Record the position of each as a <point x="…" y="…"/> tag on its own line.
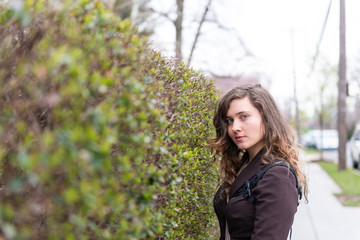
<point x="254" y="150"/>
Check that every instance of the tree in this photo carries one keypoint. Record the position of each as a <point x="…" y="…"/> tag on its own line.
<point x="353" y="90"/>
<point x="192" y="23"/>
<point x="324" y="95"/>
<point x="203" y="18"/>
<point x="137" y="11"/>
<point x="179" y="30"/>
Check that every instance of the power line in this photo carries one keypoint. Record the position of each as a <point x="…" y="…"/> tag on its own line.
<point x="319" y="42"/>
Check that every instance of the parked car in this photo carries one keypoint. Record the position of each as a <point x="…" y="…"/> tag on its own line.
<point x="354" y="146"/>
<point x="321" y="139"/>
<point x="306" y="140"/>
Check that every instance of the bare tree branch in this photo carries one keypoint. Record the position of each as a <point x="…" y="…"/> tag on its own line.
<point x="198" y="31"/>
<point x="165" y="15"/>
<point x="236" y="35"/>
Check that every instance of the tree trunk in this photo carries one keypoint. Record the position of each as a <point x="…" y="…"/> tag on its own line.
<point x="134" y="11"/>
<point x="178" y="26"/>
<point x="321" y="123"/>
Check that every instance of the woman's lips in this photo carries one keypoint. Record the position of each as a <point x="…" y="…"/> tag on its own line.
<point x="239" y="138"/>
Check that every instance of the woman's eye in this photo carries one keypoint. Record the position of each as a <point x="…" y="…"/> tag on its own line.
<point x="229" y="121"/>
<point x="245" y="116"/>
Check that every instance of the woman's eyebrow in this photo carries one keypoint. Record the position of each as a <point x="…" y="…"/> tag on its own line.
<point x="239" y="113"/>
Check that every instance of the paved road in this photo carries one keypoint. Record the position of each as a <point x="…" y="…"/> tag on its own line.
<point x="332" y="155"/>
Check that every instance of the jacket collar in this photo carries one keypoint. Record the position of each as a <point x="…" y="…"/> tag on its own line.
<point x="250" y="170"/>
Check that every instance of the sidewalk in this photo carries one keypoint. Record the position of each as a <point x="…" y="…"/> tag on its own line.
<point x="323" y="217"/>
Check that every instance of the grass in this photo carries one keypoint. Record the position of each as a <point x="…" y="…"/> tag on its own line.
<point x="311" y="151"/>
<point x="348" y="180"/>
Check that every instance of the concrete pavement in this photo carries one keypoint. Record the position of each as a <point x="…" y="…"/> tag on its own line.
<point x="323" y="217"/>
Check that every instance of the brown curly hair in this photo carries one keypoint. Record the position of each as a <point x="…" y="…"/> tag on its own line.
<point x="279" y="137"/>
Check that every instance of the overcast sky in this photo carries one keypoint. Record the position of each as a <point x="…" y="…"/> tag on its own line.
<point x="281" y="34"/>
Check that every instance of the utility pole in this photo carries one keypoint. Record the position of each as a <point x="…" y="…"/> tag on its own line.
<point x="342" y="92"/>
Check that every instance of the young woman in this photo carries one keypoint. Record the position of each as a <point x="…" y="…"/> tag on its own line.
<point x="251" y="134"/>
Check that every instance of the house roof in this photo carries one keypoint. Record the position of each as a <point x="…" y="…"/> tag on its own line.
<point x="225" y="84"/>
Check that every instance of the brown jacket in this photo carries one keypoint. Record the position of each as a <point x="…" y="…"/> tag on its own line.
<point x="273" y="213"/>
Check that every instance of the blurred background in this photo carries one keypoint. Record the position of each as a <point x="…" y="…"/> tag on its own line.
<point x="290" y="47"/>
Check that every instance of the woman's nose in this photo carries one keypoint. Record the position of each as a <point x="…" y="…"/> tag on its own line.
<point x="236" y="126"/>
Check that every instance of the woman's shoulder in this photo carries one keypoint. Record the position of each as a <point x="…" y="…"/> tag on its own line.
<point x="278" y="178"/>
<point x="279" y="170"/>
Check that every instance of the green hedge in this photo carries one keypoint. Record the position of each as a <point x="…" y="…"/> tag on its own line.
<point x="100" y="137"/>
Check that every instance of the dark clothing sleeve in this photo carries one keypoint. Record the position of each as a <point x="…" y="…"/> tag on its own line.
<point x="276" y="204"/>
<point x="219" y="206"/>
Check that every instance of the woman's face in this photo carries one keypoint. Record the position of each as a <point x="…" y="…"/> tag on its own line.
<point x="245" y="126"/>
